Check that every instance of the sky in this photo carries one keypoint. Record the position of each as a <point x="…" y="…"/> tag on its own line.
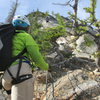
<point x="27" y="6"/>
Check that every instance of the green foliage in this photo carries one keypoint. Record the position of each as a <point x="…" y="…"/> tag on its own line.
<point x="88" y="9"/>
<point x="91" y="20"/>
<point x="98" y="34"/>
<point x="97" y="54"/>
<point x="88" y="41"/>
<point x="37" y="14"/>
<point x="45" y="37"/>
<point x="97" y="24"/>
<point x="80" y="29"/>
<point x="33" y="18"/>
<point x="53" y="33"/>
<point x="46" y="14"/>
<point x="91" y="10"/>
<point x="45" y="46"/>
<point x="60" y="20"/>
<point x="72" y="16"/>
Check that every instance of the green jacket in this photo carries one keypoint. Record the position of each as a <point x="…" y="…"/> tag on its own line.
<point x="24" y="40"/>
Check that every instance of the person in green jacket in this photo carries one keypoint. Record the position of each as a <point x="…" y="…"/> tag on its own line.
<point x="21" y="40"/>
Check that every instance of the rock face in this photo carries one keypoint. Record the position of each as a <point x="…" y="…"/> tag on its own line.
<point x="72" y="66"/>
<point x="47" y="22"/>
<point x="73" y="82"/>
<point x="76" y="84"/>
<point x="73" y="76"/>
<point x="83" y="46"/>
<point x="3" y="95"/>
<point x="63" y="46"/>
<point x="73" y="85"/>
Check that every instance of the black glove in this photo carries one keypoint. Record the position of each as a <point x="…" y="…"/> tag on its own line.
<point x="49" y="70"/>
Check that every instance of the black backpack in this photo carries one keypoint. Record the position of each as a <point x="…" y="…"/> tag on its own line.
<point x="7" y="32"/>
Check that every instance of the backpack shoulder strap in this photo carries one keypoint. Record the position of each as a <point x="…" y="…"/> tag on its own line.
<point x="16" y="57"/>
<point x="20" y="54"/>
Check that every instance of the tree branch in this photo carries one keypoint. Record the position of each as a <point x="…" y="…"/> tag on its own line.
<point x="12" y="12"/>
<point x="65" y="4"/>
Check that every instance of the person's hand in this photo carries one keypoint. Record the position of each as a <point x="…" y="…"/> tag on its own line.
<point x="49" y="70"/>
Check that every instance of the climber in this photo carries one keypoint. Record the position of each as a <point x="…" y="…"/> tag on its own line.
<point x="12" y="81"/>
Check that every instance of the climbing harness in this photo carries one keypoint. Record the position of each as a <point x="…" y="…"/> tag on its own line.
<point x="48" y="73"/>
<point x="18" y="78"/>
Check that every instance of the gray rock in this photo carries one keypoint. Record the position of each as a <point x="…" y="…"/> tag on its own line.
<point x="85" y="46"/>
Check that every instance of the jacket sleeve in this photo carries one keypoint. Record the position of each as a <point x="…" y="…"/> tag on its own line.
<point x="33" y="51"/>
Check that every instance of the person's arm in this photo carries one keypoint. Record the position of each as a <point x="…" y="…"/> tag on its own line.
<point x="33" y="50"/>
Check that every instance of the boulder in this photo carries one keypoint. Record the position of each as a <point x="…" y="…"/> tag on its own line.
<point x="86" y="46"/>
<point x="73" y="86"/>
<point x="63" y="46"/>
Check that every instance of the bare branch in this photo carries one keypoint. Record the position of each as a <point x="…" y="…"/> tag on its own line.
<point x="12" y="12"/>
<point x="59" y="4"/>
<point x="65" y="4"/>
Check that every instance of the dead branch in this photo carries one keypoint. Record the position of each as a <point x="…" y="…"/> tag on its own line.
<point x="12" y="12"/>
<point x="65" y="4"/>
